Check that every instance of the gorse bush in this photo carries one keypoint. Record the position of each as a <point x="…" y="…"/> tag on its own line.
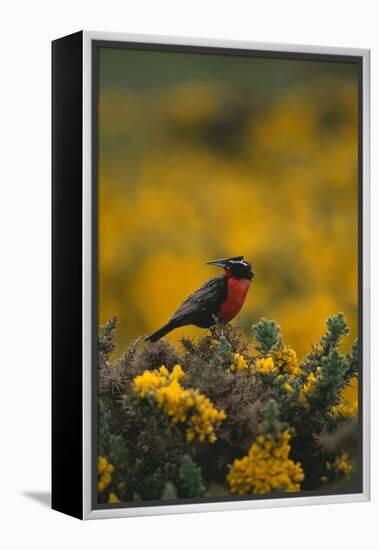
<point x="224" y="415"/>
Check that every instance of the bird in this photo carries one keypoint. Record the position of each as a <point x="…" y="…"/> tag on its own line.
<point x="217" y="301"/>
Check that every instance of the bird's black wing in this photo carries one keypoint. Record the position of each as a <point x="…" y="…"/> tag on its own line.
<point x="208" y="298"/>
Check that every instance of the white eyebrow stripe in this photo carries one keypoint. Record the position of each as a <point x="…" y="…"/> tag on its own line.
<point x="242" y="262"/>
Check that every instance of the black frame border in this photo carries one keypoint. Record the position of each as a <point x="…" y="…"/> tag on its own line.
<point x="67" y="256"/>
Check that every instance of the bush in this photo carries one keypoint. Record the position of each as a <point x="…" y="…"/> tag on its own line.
<point x="225" y="414"/>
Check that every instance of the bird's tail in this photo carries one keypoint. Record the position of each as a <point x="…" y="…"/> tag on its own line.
<point x="161" y="332"/>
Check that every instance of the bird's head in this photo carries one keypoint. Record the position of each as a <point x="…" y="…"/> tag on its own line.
<point x="236" y="267"/>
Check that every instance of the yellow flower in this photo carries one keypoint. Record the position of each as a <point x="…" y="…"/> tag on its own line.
<point x="152" y="380"/>
<point x="286" y="361"/>
<point x="266" y="468"/>
<point x="311" y="382"/>
<point x="239" y="363"/>
<point x="174" y="400"/>
<point x="288" y="388"/>
<point x="102" y="464"/>
<point x="148" y="381"/>
<point x="343" y="465"/>
<point x="163" y="371"/>
<point x="104" y="470"/>
<point x="177" y="373"/>
<point x="346" y="410"/>
<point x="265" y="365"/>
<point x="106" y="479"/>
<point x="185" y="406"/>
<point x="112" y="499"/>
<point x="201" y="423"/>
<point x="309" y="386"/>
<point x="100" y="486"/>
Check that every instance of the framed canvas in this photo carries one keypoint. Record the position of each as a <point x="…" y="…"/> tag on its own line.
<point x="210" y="275"/>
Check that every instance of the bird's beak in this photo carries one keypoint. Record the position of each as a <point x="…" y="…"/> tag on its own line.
<point x="218" y="263"/>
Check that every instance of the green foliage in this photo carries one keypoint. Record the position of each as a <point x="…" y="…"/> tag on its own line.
<point x="337" y="328"/>
<point x="191" y="478"/>
<point x="103" y="431"/>
<point x="331" y="380"/>
<point x="169" y="491"/>
<point x="152" y="457"/>
<point x="267" y="335"/>
<point x="270" y="414"/>
<point x="118" y="452"/>
<point x="224" y="348"/>
<point x="353" y="360"/>
<point x="106" y="340"/>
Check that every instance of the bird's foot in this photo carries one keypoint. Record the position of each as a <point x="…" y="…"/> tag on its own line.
<point x="218" y="323"/>
<point x="216" y="319"/>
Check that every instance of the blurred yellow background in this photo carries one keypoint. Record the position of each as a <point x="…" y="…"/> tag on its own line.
<point x="209" y="156"/>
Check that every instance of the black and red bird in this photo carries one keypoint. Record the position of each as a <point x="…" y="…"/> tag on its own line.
<point x="218" y="300"/>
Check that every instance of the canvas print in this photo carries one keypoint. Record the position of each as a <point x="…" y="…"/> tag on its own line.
<point x="228" y="276"/>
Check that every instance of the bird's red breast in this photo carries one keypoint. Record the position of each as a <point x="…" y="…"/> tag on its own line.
<point x="237" y="291"/>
